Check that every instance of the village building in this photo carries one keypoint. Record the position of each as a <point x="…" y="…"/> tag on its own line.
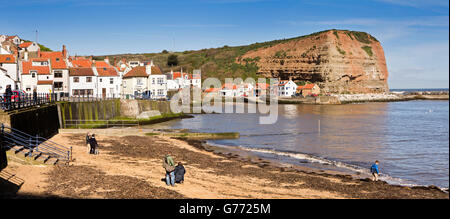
<point x="142" y="79"/>
<point x="286" y="88"/>
<point x="108" y="80"/>
<point x="5" y="80"/>
<point x="59" y="70"/>
<point x="36" y="74"/>
<point x="29" y="46"/>
<point x="228" y="90"/>
<point x="14" y="39"/>
<point x="9" y="63"/>
<point x="82" y="82"/>
<point x="308" y="89"/>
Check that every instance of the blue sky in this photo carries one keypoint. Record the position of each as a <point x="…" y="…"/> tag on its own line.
<point x="413" y="33"/>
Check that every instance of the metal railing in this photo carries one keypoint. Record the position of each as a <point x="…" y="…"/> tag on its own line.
<point x="25" y="100"/>
<point x="13" y="137"/>
<point x="79" y="124"/>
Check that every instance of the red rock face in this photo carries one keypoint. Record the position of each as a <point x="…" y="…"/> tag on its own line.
<point x="338" y="61"/>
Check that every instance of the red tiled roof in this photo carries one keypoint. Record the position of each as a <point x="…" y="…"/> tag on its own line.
<point x="7" y="58"/>
<point x="100" y="64"/>
<point x="107" y="72"/>
<point x="27" y="66"/>
<point x="25" y="45"/>
<point x="82" y="63"/>
<point x="229" y="86"/>
<point x="50" y="55"/>
<point x="262" y="85"/>
<point x="45" y="82"/>
<point x="81" y="71"/>
<point x="307" y="86"/>
<point x="138" y="71"/>
<point x="177" y="75"/>
<point x="211" y="90"/>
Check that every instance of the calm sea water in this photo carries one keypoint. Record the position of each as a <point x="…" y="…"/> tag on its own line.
<point x="410" y="139"/>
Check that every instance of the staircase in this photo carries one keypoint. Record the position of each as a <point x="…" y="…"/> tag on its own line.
<point x="35" y="147"/>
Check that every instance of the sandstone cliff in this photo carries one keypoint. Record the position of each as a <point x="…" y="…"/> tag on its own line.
<point x="339" y="61"/>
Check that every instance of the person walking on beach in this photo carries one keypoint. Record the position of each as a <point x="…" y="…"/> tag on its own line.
<point x="93" y="144"/>
<point x="169" y="166"/>
<point x="375" y="171"/>
<point x="88" y="142"/>
<point x="179" y="173"/>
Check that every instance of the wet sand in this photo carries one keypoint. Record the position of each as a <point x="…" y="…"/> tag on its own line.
<point x="131" y="167"/>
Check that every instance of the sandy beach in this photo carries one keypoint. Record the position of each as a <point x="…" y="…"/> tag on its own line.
<point x="131" y="167"/>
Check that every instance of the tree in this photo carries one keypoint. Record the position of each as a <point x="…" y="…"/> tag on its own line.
<point x="172" y="60"/>
<point x="165" y="52"/>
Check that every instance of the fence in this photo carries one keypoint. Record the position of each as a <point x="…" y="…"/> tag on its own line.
<point x="77" y="124"/>
<point x="24" y="100"/>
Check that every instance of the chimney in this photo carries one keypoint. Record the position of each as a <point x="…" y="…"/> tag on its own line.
<point x="25" y="56"/>
<point x="64" y="51"/>
<point x="107" y="60"/>
<point x="148" y="69"/>
<point x="93" y="63"/>
<point x="39" y="52"/>
<point x="151" y="63"/>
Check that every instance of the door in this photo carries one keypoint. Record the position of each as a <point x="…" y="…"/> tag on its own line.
<point x="104" y="93"/>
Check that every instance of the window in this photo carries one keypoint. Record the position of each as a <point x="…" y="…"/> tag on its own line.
<point x="160" y="80"/>
<point x="101" y="79"/>
<point x="111" y="81"/>
<point x="58" y="85"/>
<point x="139" y="81"/>
<point x="76" y="79"/>
<point x="57" y="59"/>
<point x="33" y="74"/>
<point x="160" y="92"/>
<point x="58" y="74"/>
<point x="153" y="81"/>
<point x="89" y="79"/>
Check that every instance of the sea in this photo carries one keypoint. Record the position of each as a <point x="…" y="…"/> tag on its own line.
<point x="410" y="139"/>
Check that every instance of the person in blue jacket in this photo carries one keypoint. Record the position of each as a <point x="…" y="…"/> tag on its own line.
<point x="375" y="171"/>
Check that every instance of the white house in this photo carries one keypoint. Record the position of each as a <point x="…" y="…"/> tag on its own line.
<point x="59" y="70"/>
<point x="36" y="74"/>
<point x="181" y="78"/>
<point x="286" y="88"/>
<point x="145" y="78"/>
<point x="82" y="81"/>
<point x="196" y="78"/>
<point x="2" y="38"/>
<point x="29" y="46"/>
<point x="228" y="90"/>
<point x="108" y="80"/>
<point x="5" y="80"/>
<point x="8" y="62"/>
<point x="14" y="39"/>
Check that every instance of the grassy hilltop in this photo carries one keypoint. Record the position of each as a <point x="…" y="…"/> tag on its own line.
<point x="219" y="62"/>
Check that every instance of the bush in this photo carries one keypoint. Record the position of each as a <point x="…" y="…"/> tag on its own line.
<point x="172" y="60"/>
<point x="368" y="50"/>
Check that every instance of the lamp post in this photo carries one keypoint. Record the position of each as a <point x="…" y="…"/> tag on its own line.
<point x="17" y="67"/>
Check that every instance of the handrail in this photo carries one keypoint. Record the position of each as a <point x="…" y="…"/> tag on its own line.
<point x="36" y="143"/>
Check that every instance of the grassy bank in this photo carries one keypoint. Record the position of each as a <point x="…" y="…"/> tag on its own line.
<point x="198" y="136"/>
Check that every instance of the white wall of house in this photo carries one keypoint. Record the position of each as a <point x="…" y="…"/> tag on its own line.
<point x="157" y="84"/>
<point x="44" y="88"/>
<point x="34" y="47"/>
<point x="172" y="85"/>
<point x="61" y="76"/>
<point x="134" y="84"/>
<point x="82" y="84"/>
<point x="28" y="82"/>
<point x="4" y="51"/>
<point x="111" y="85"/>
<point x="11" y="69"/>
<point x="5" y="80"/>
<point x="287" y="90"/>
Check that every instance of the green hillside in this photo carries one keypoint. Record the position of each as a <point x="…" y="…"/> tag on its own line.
<point x="218" y="62"/>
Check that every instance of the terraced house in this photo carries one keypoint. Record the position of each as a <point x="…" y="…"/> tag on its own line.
<point x="59" y="69"/>
<point x="36" y="74"/>
<point x="108" y="80"/>
<point x="146" y="78"/>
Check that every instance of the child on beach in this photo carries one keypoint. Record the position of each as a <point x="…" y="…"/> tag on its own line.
<point x="375" y="171"/>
